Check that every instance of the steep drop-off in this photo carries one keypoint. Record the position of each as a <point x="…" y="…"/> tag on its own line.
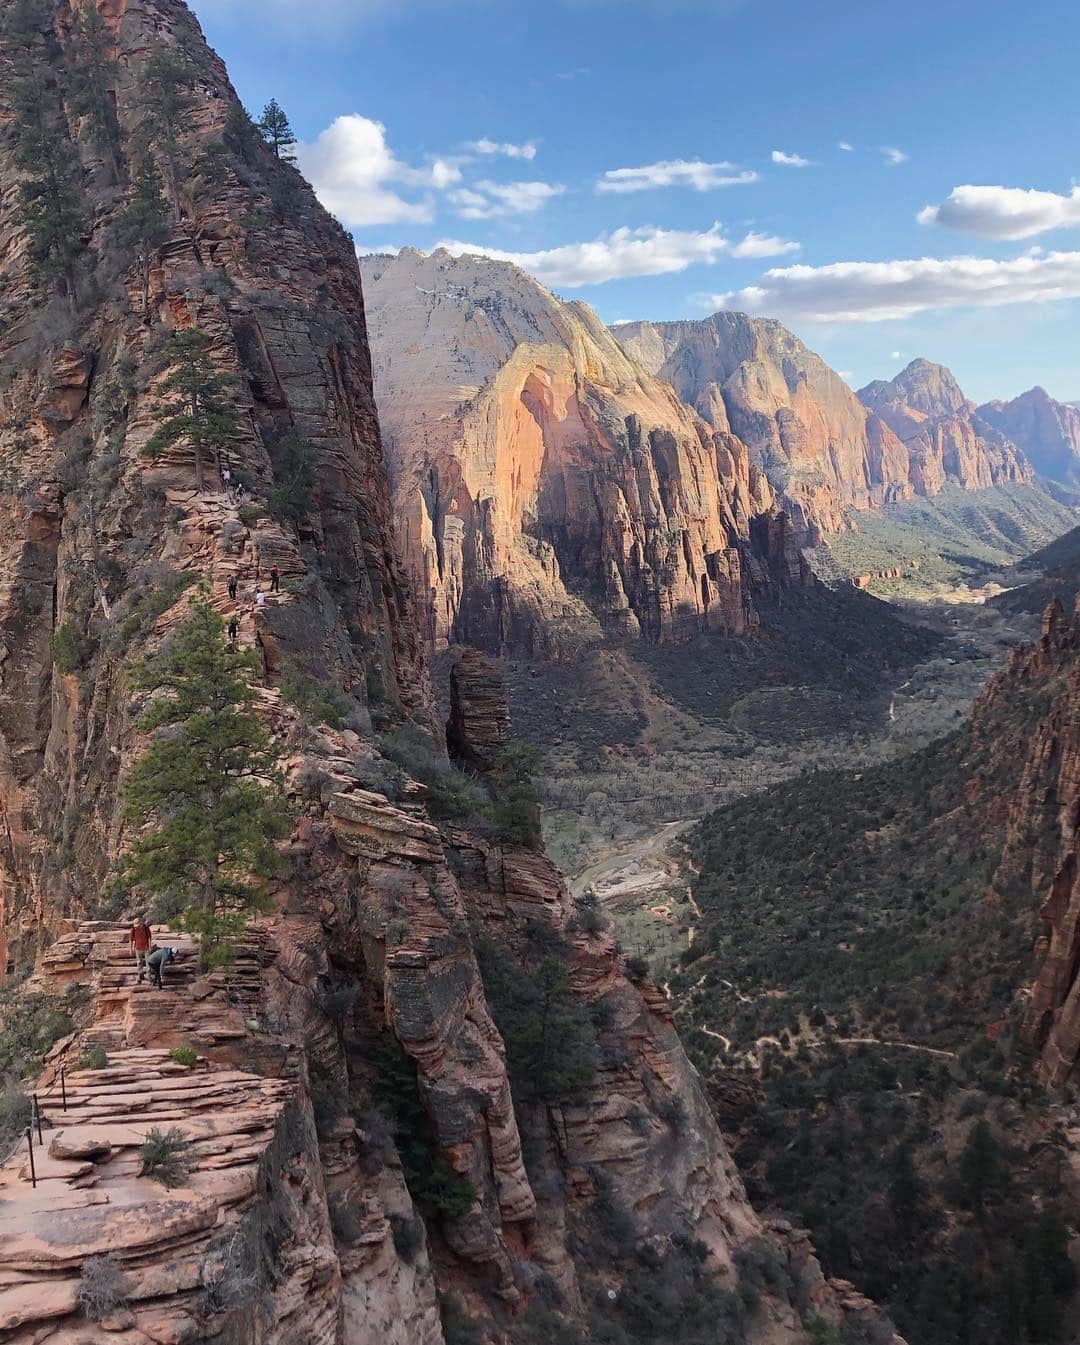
<point x="374" y="1154"/>
<point x="822" y="449"/>
<point x="547" y="487"/>
<point x="878" y="1001"/>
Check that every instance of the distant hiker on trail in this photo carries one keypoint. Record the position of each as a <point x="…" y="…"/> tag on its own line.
<point x="233" y="587"/>
<point x="260" y="598"/>
<point x="226" y="477"/>
<point x="275" y="579"/>
<point x="234" y="630"/>
<point x="240" y="491"/>
<point x="139" y="941"/>
<point x="158" y="961"/>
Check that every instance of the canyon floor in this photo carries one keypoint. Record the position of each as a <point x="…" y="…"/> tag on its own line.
<point x="615" y="813"/>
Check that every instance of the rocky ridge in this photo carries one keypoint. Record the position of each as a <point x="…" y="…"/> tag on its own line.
<point x="360" y="998"/>
<point x="1048" y="431"/>
<point x="547" y="487"/>
<point x="824" y="449"/>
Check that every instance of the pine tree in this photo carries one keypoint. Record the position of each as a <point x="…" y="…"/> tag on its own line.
<point x="167" y="97"/>
<point x="208" y="794"/>
<point x="905" y="1191"/>
<point x="982" y="1171"/>
<point x="196" y="412"/>
<point x="91" y="81"/>
<point x="144" y="225"/>
<point x="293" y="494"/>
<point x="277" y="132"/>
<point x="50" y="198"/>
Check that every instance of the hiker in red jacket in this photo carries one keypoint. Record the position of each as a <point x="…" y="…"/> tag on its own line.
<point x="275" y="580"/>
<point x="139" y="941"/>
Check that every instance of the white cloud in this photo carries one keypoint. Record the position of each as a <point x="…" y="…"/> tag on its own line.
<point x="578" y="72"/>
<point x="494" y="200"/>
<point x="763" y="245"/>
<point x="896" y="354"/>
<point x="618" y="255"/>
<point x="893" y="155"/>
<point x="508" y="151"/>
<point x="675" y="173"/>
<point x="876" y="291"/>
<point x="789" y="160"/>
<point x="1004" y="212"/>
<point x="355" y="173"/>
<point x="845" y="146"/>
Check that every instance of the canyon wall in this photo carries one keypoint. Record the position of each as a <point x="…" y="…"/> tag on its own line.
<point x="824" y="449"/>
<point x="548" y="488"/>
<point x="1047" y="431"/>
<point x="368" y="1157"/>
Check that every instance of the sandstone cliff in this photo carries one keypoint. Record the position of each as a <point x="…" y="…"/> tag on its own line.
<point x="1048" y="431"/>
<point x="945" y="438"/>
<point x="822" y="449"/>
<point x="547" y="487"/>
<point x="367" y="1157"/>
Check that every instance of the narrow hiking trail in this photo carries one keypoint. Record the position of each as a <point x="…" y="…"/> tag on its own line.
<point x="634" y="866"/>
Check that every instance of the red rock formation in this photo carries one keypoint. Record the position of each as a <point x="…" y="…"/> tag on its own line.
<point x="547" y="487"/>
<point x="822" y="449"/>
<point x="479" y="723"/>
<point x="1043" y="844"/>
<point x="944" y="437"/>
<point x="364" y="976"/>
<point x="1046" y="430"/>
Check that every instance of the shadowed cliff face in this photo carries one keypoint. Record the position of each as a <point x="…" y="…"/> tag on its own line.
<point x="382" y="1163"/>
<point x="1043" y="837"/>
<point x="1048" y="431"/>
<point x="546" y="486"/>
<point x="822" y="449"/>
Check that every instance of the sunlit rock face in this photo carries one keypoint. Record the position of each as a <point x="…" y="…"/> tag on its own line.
<point x="547" y="487"/>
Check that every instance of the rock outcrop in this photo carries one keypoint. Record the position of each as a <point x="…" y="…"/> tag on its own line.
<point x="1048" y="432"/>
<point x="359" y="1127"/>
<point x="945" y="438"/>
<point x="1042" y="850"/>
<point x="547" y="488"/>
<point x="824" y="449"/>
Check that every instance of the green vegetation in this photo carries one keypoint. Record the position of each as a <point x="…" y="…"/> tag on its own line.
<point x="276" y="131"/>
<point x="165" y="1156"/>
<point x="958" y="537"/>
<point x="435" y="1187"/>
<point x="184" y="1055"/>
<point x="167" y="101"/>
<point x="91" y="83"/>
<point x="196" y="413"/>
<point x="150" y="602"/>
<point x="550" y="1040"/>
<point x="29" y="1026"/>
<point x="292" y="496"/>
<point x="16" y="1110"/>
<point x="144" y="225"/>
<point x="316" y="701"/>
<point x="208" y="794"/>
<point x="854" y="944"/>
<point x="71" y="648"/>
<point x="95" y="1057"/>
<point x="51" y="205"/>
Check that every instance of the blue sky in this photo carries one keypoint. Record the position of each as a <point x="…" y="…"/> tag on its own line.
<point x="646" y="156"/>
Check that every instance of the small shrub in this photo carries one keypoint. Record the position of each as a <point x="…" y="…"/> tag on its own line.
<point x="165" y="1157"/>
<point x="184" y="1055"/>
<point x="346" y="1226"/>
<point x="408" y="1235"/>
<point x="249" y="514"/>
<point x="317" y="702"/>
<point x="637" y="969"/>
<point x="95" y="1057"/>
<point x="31" y="1024"/>
<point x="15" y="1111"/>
<point x="458" y="1327"/>
<point x="70" y="648"/>
<point x="103" y="1287"/>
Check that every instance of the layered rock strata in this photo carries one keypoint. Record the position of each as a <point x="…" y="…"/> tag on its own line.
<point x="547" y="487"/>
